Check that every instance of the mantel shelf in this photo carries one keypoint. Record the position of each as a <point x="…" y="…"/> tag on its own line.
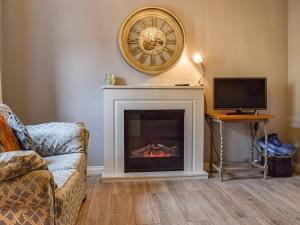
<point x="150" y="87"/>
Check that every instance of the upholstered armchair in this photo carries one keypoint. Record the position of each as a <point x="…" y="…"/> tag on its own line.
<point x="48" y="185"/>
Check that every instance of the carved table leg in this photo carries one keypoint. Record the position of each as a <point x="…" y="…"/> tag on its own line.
<point x="221" y="150"/>
<point x="211" y="146"/>
<point x="266" y="149"/>
<point x="252" y="132"/>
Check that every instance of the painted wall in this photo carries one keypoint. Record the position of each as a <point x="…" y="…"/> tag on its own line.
<point x="294" y="69"/>
<point x="56" y="52"/>
<point x="0" y="50"/>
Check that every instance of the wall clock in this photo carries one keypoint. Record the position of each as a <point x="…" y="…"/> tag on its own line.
<point x="151" y="40"/>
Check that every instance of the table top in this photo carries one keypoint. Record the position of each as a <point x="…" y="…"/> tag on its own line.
<point x="237" y="118"/>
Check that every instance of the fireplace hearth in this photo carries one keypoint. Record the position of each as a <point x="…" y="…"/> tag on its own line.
<point x="153" y="140"/>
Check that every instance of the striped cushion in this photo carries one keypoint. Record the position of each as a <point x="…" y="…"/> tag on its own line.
<point x="21" y="132"/>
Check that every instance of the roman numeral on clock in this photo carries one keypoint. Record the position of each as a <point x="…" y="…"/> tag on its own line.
<point x="135" y="31"/>
<point x="153" y="60"/>
<point x="143" y="24"/>
<point x="169" y="51"/>
<point x="171" y="41"/>
<point x="162" y="25"/>
<point x="136" y="50"/>
<point x="152" y="21"/>
<point x="143" y="58"/>
<point x="162" y="58"/>
<point x="169" y="32"/>
<point x="132" y="41"/>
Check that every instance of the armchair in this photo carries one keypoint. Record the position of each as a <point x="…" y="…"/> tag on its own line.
<point x="50" y="190"/>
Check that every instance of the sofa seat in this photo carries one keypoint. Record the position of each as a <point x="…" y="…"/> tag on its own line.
<point x="67" y="161"/>
<point x="61" y="177"/>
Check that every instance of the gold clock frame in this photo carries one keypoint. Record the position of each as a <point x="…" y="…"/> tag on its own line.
<point x="174" y="23"/>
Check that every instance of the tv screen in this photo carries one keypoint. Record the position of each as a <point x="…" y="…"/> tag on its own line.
<point x="240" y="93"/>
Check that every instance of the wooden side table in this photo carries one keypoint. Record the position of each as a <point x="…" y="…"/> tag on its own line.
<point x="222" y="119"/>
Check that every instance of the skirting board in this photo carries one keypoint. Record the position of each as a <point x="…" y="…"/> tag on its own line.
<point x="97" y="170"/>
<point x="94" y="170"/>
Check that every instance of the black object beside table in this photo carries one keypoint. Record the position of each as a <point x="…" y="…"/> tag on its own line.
<point x="222" y="119"/>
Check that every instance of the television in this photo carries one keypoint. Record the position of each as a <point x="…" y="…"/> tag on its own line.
<point x="240" y="94"/>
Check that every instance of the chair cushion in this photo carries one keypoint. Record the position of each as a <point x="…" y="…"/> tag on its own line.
<point x="8" y="140"/>
<point x="17" y="163"/>
<point x="57" y="138"/>
<point x="66" y="161"/>
<point x="62" y="176"/>
<point x="21" y="132"/>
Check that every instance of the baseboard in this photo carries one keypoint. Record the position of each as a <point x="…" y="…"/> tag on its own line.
<point x="97" y="170"/>
<point x="94" y="170"/>
<point x="297" y="168"/>
<point x="294" y="121"/>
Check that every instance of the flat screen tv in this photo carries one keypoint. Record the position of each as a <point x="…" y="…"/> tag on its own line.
<point x="240" y="93"/>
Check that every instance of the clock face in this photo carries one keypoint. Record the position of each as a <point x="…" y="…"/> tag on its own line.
<point x="151" y="40"/>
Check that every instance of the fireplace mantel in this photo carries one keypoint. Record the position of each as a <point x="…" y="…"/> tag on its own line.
<point x="117" y="99"/>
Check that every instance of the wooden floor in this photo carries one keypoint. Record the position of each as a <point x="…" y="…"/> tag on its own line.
<point x="247" y="201"/>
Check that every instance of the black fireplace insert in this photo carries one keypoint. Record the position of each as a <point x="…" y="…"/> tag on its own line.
<point x="154" y="140"/>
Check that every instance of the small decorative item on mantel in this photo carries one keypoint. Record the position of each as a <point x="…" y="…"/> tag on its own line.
<point x="110" y="79"/>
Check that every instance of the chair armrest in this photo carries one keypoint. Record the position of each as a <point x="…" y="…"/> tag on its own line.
<point x="59" y="138"/>
<point x="28" y="198"/>
<point x="17" y="163"/>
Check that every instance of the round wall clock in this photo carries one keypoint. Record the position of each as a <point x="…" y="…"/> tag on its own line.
<point x="151" y="40"/>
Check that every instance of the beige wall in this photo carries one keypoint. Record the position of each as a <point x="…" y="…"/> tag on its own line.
<point x="56" y="52"/>
<point x="294" y="68"/>
<point x="0" y="50"/>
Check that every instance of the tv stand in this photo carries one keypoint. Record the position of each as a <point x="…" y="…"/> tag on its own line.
<point x="240" y="112"/>
<point x="221" y="120"/>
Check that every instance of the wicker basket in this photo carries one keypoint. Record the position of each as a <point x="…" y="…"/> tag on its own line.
<point x="280" y="166"/>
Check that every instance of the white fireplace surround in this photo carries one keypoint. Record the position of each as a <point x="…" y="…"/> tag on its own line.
<point x="117" y="99"/>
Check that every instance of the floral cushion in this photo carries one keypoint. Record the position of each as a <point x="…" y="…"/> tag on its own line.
<point x="8" y="140"/>
<point x="21" y="132"/>
<point x="17" y="163"/>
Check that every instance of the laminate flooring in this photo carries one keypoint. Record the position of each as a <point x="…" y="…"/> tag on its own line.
<point x="246" y="199"/>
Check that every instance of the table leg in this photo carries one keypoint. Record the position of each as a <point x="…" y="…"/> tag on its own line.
<point x="266" y="149"/>
<point x="221" y="150"/>
<point x="211" y="146"/>
<point x="252" y="145"/>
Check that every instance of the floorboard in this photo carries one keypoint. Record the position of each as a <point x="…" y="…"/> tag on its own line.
<point x="236" y="201"/>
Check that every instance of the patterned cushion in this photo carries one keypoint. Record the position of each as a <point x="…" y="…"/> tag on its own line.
<point x="8" y="140"/>
<point x="21" y="132"/>
<point x="57" y="138"/>
<point x="67" y="161"/>
<point x="14" y="164"/>
<point x="4" y="110"/>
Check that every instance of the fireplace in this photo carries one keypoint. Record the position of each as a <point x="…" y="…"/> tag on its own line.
<point x="153" y="133"/>
<point x="153" y="140"/>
